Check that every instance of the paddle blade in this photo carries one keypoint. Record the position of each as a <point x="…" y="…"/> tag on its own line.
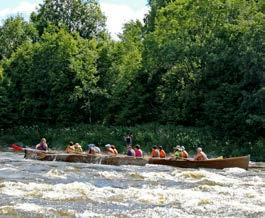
<point x="16" y="147"/>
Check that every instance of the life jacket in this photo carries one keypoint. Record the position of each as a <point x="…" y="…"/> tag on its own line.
<point x="70" y="149"/>
<point x="184" y="154"/>
<point x="131" y="152"/>
<point x="78" y="149"/>
<point x="177" y="154"/>
<point x="155" y="153"/>
<point x="162" y="153"/>
<point x="138" y="153"/>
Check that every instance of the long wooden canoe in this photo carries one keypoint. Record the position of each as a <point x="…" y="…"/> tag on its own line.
<point x="240" y="162"/>
<point x="84" y="158"/>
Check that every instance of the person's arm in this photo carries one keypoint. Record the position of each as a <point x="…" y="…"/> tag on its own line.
<point x="204" y="156"/>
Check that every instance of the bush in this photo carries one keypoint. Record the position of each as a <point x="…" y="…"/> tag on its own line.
<point x="146" y="135"/>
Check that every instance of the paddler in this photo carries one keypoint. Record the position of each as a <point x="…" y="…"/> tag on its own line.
<point x="200" y="155"/>
<point x="183" y="153"/>
<point x="177" y="152"/>
<point x="109" y="150"/>
<point x="78" y="148"/>
<point x="93" y="149"/>
<point x="42" y="145"/>
<point x="130" y="151"/>
<point x="114" y="149"/>
<point x="70" y="148"/>
<point x="138" y="151"/>
<point x="155" y="152"/>
<point x="162" y="153"/>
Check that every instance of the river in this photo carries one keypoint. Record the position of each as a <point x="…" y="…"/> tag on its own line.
<point x="30" y="188"/>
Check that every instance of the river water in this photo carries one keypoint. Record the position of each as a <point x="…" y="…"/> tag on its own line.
<point x="30" y="188"/>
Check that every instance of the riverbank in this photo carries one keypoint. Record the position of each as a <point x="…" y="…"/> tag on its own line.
<point x="146" y="135"/>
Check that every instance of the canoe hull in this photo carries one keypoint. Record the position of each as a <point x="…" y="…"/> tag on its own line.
<point x="240" y="162"/>
<point x="84" y="158"/>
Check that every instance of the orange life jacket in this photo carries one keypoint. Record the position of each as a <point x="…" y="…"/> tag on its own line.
<point x="162" y="153"/>
<point x="184" y="154"/>
<point x="70" y="149"/>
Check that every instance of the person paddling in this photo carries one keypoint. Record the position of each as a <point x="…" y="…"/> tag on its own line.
<point x="78" y="148"/>
<point x="109" y="150"/>
<point x="93" y="149"/>
<point x="42" y="146"/>
<point x="183" y="153"/>
<point x="200" y="155"/>
<point x="177" y="152"/>
<point x="114" y="149"/>
<point x="155" y="152"/>
<point x="130" y="151"/>
<point x="70" y="148"/>
<point x="138" y="151"/>
<point x="162" y="153"/>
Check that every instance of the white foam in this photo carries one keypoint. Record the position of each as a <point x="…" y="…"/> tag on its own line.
<point x="54" y="173"/>
<point x="146" y="192"/>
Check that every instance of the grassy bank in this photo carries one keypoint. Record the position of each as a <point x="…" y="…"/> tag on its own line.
<point x="145" y="135"/>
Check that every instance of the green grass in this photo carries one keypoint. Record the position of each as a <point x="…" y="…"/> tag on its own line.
<point x="145" y="135"/>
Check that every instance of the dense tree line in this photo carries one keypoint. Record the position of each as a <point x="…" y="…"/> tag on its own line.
<point x="191" y="63"/>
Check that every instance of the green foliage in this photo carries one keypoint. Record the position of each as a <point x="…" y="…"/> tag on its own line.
<point x="52" y="80"/>
<point x="192" y="63"/>
<point x="155" y="5"/>
<point x="210" y="56"/>
<point x="6" y="114"/>
<point x="146" y="135"/>
<point x="14" y="32"/>
<point x="127" y="104"/>
<point x="82" y="16"/>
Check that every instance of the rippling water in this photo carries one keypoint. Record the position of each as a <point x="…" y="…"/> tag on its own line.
<point x="30" y="188"/>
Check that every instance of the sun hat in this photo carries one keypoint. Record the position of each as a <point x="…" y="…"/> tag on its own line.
<point x="108" y="145"/>
<point x="90" y="145"/>
<point x="177" y="147"/>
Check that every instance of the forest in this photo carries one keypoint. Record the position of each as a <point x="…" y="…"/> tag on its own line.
<point x="193" y="72"/>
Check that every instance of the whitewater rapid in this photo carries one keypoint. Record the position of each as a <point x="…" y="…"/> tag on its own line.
<point x="30" y="188"/>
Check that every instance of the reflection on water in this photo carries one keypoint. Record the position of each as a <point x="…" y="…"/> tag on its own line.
<point x="31" y="188"/>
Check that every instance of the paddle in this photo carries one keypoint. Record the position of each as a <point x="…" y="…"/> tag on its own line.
<point x="16" y="147"/>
